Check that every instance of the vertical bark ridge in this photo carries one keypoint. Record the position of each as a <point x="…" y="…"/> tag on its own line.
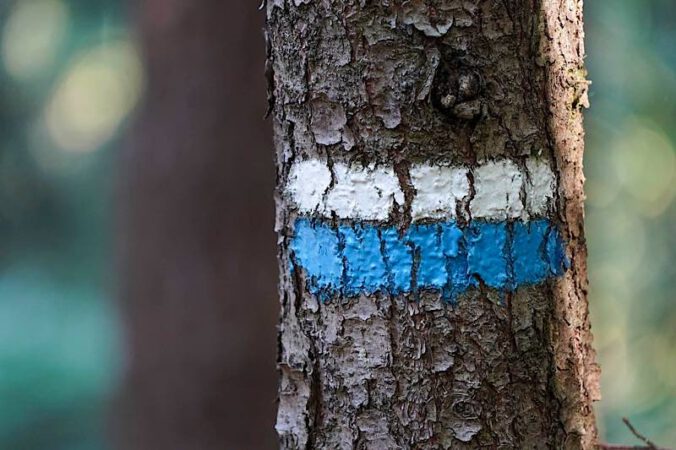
<point x="577" y="374"/>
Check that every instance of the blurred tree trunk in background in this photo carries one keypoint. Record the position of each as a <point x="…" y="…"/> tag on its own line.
<point x="197" y="249"/>
<point x="396" y="84"/>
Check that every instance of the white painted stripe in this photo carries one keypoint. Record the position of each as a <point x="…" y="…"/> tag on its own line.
<point x="540" y="186"/>
<point x="371" y="193"/>
<point x="308" y="181"/>
<point x="438" y="190"/>
<point x="367" y="193"/>
<point x="497" y="186"/>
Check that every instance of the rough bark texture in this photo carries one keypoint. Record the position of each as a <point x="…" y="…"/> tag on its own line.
<point x="197" y="263"/>
<point x="459" y="82"/>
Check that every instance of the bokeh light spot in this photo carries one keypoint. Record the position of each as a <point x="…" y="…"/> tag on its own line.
<point x="97" y="92"/>
<point x="32" y="35"/>
<point x="646" y="167"/>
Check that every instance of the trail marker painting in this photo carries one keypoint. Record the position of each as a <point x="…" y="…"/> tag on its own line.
<point x="492" y="231"/>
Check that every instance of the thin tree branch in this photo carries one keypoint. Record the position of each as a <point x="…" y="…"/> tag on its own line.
<point x="638" y="435"/>
<point x="603" y="446"/>
<point x="649" y="444"/>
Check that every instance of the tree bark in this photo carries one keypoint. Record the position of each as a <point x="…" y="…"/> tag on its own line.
<point x="389" y="337"/>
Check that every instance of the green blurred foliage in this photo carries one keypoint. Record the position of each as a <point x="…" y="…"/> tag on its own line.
<point x="64" y="66"/>
<point x="630" y="164"/>
<point x="69" y="77"/>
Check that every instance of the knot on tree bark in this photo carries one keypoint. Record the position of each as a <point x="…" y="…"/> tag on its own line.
<point x="457" y="92"/>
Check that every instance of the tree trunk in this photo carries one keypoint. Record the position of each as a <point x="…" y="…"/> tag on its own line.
<point x="430" y="218"/>
<point x="197" y="262"/>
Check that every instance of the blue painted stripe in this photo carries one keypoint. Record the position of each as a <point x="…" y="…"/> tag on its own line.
<point x="364" y="264"/>
<point x="488" y="254"/>
<point x="365" y="258"/>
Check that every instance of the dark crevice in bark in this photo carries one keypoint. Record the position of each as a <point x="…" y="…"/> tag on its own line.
<point x="402" y="170"/>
